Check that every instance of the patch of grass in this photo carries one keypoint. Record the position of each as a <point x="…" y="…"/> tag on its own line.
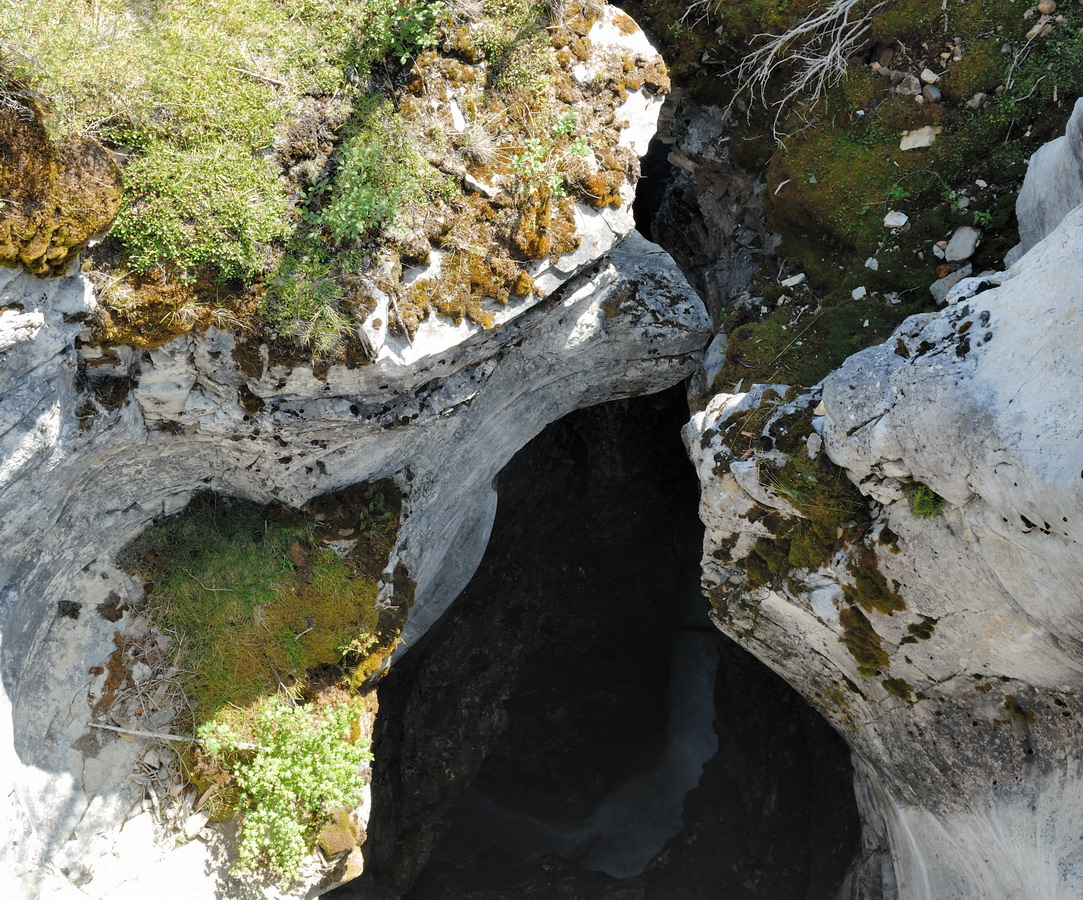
<point x="195" y="93"/>
<point x="303" y="301"/>
<point x="925" y="503"/>
<point x="275" y="623"/>
<point x="211" y="206"/>
<point x="255" y="597"/>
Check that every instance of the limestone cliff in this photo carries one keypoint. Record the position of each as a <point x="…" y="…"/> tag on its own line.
<point x="932" y="612"/>
<point x="99" y="441"/>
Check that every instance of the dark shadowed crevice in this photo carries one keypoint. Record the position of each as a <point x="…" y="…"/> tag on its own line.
<point x="546" y="739"/>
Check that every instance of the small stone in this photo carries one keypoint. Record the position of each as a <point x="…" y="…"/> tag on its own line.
<point x="872" y="263"/>
<point x="141" y="672"/>
<point x="963" y="202"/>
<point x="458" y="120"/>
<point x="859" y="293"/>
<point x="794" y="280"/>
<point x="813" y="445"/>
<point x="1046" y="7"/>
<point x="919" y="137"/>
<point x="865" y="324"/>
<point x="962" y="244"/>
<point x="195" y="824"/>
<point x="978" y="100"/>
<point x="895" y="219"/>
<point x="939" y="288"/>
<point x="938" y="251"/>
<point x="820" y="410"/>
<point x="894" y="299"/>
<point x="931" y="94"/>
<point x="981" y="183"/>
<point x="479" y="187"/>
<point x="929" y="76"/>
<point x="886" y="57"/>
<point x="904" y="83"/>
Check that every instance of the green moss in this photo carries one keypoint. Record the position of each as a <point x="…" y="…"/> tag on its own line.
<point x="796" y="344"/>
<point x="924" y="629"/>
<point x="870" y="589"/>
<point x="1017" y="711"/>
<point x="338" y="835"/>
<point x="898" y="687"/>
<point x="925" y="503"/>
<point x="864" y="644"/>
<point x="255" y="598"/>
<point x="841" y="169"/>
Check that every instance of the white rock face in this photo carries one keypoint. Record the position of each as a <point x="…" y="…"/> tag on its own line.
<point x="966" y="733"/>
<point x="71" y="497"/>
<point x="1054" y="183"/>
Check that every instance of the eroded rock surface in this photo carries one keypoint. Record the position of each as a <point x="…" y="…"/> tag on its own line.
<point x="941" y="637"/>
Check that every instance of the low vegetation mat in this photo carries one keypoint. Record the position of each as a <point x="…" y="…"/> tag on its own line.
<point x="276" y="625"/>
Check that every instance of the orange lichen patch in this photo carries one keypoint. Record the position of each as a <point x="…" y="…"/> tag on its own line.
<point x="460" y="42"/>
<point x="55" y="198"/>
<point x="150" y="310"/>
<point x="625" y="23"/>
<point x="599" y="189"/>
<point x="116" y="673"/>
<point x="546" y="226"/>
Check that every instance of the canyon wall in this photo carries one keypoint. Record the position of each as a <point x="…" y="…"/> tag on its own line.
<point x="932" y="613"/>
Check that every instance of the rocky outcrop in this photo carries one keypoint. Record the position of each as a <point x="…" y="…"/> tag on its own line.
<point x="710" y="214"/>
<point x="1054" y="184"/>
<point x="97" y="441"/>
<point x="932" y="613"/>
<point x="81" y="480"/>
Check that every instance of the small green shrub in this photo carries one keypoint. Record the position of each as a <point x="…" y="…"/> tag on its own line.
<point x="302" y="301"/>
<point x="303" y="766"/>
<point x="410" y="28"/>
<point x="214" y="206"/>
<point x="376" y="173"/>
<point x="925" y="503"/>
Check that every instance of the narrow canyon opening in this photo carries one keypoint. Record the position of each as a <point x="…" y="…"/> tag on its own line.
<point x="576" y="727"/>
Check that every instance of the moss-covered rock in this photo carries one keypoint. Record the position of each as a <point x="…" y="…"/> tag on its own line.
<point x="56" y="195"/>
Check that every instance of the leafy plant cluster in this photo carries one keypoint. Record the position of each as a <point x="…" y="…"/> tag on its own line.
<point x="409" y="28"/>
<point x="292" y="766"/>
<point x="543" y="160"/>
<point x="376" y="171"/>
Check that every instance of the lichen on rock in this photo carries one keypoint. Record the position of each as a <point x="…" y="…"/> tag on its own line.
<point x="57" y="196"/>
